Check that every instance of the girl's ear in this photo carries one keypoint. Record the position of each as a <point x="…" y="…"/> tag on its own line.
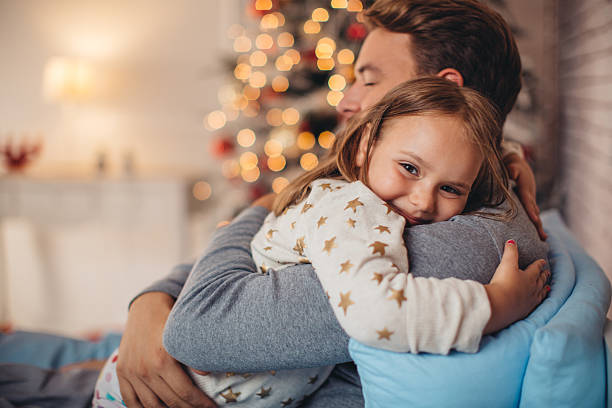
<point x="362" y="151"/>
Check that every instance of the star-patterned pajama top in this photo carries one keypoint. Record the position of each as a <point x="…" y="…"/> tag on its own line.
<point x="354" y="241"/>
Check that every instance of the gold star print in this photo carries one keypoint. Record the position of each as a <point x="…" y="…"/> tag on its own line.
<point x="304" y="260"/>
<point x="272" y="372"/>
<point x="306" y="207"/>
<point x="395" y="266"/>
<point x="398" y="295"/>
<point x="270" y="233"/>
<point x="299" y="246"/>
<point x="384" y="334"/>
<point x="312" y="380"/>
<point x="264" y="392"/>
<point x="345" y="301"/>
<point x="329" y="245"/>
<point x="267" y="248"/>
<point x="287" y="402"/>
<point x="382" y="228"/>
<point x="326" y="186"/>
<point x="351" y="222"/>
<point x="230" y="374"/>
<point x="230" y="396"/>
<point x="246" y="375"/>
<point x="264" y="268"/>
<point x="353" y="204"/>
<point x="346" y="267"/>
<point x="378" y="247"/>
<point x="293" y="225"/>
<point x="321" y="221"/>
<point x="378" y="277"/>
<point x="389" y="208"/>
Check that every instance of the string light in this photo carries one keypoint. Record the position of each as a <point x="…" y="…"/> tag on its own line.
<point x="338" y="4"/>
<point x="325" y="64"/>
<point x="291" y="116"/>
<point x="285" y="39"/>
<point x="262" y="5"/>
<point x="280" y="17"/>
<point x="309" y="161"/>
<point x="324" y="51"/>
<point x="346" y="56"/>
<point x="294" y="55"/>
<point x="246" y="138"/>
<point x="334" y="97"/>
<point x="312" y="27"/>
<point x="276" y="163"/>
<point x="327" y="41"/>
<point x="264" y="41"/>
<point x="251" y="175"/>
<point x="248" y="160"/>
<point x="235" y="31"/>
<point x="274" y="117"/>
<point x="305" y="140"/>
<point x="257" y="79"/>
<point x="201" y="190"/>
<point x="320" y="15"/>
<point x="258" y="59"/>
<point x="242" y="71"/>
<point x="269" y="22"/>
<point x="242" y="44"/>
<point x="354" y="6"/>
<point x="326" y="139"/>
<point x="279" y="184"/>
<point x="283" y="63"/>
<point x="216" y="120"/>
<point x="336" y="82"/>
<point x="280" y="84"/>
<point x="273" y="148"/>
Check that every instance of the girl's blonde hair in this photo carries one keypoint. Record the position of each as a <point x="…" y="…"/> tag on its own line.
<point x="423" y="96"/>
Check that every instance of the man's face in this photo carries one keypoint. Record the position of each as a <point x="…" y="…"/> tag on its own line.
<point x="385" y="61"/>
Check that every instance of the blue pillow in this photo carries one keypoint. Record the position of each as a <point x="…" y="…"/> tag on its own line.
<point x="567" y="363"/>
<point x="493" y="377"/>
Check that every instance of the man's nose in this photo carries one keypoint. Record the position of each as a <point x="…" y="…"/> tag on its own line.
<point x="350" y="104"/>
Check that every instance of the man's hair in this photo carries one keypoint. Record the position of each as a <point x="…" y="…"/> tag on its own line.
<point x="460" y="34"/>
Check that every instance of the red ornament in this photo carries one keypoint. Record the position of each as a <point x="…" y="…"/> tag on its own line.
<point x="221" y="146"/>
<point x="356" y="31"/>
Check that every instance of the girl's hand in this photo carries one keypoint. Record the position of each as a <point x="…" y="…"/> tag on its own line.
<point x="148" y="375"/>
<point x="514" y="293"/>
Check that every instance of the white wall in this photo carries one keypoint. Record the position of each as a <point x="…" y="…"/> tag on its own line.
<point x="157" y="64"/>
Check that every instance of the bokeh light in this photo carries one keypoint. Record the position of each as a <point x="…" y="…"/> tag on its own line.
<point x="263" y="5"/>
<point x="338" y="4"/>
<point x="280" y="84"/>
<point x="309" y="161"/>
<point x="279" y="184"/>
<point x="264" y="41"/>
<point x="235" y="31"/>
<point x="241" y="102"/>
<point x="230" y="168"/>
<point x="334" y="97"/>
<point x="250" y="175"/>
<point x="274" y="117"/>
<point x="336" y="82"/>
<point x="294" y="55"/>
<point x="248" y="160"/>
<point x="283" y="63"/>
<point x="226" y="94"/>
<point x="242" y="71"/>
<point x="251" y="93"/>
<point x="269" y="22"/>
<point x="245" y="137"/>
<point x="280" y="17"/>
<point x="354" y="6"/>
<point x="201" y="190"/>
<point x="216" y="120"/>
<point x="291" y="116"/>
<point x="346" y="56"/>
<point x="242" y="44"/>
<point x="277" y="163"/>
<point x="325" y="64"/>
<point x="324" y="51"/>
<point x="320" y="15"/>
<point x="305" y="140"/>
<point x="273" y="148"/>
<point x="258" y="59"/>
<point x="326" y="139"/>
<point x="285" y="39"/>
<point x="257" y="79"/>
<point x="312" y="27"/>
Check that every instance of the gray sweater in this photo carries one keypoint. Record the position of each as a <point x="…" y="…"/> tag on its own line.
<point x="231" y="318"/>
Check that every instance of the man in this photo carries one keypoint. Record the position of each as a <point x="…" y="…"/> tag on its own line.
<point x="460" y="40"/>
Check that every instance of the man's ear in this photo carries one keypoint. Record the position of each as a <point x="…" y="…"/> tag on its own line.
<point x="360" y="158"/>
<point x="452" y="75"/>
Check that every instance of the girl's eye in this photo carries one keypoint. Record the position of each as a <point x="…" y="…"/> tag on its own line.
<point x="410" y="168"/>
<point x="450" y="190"/>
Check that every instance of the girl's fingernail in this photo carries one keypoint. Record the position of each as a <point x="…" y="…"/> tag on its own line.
<point x="511" y="242"/>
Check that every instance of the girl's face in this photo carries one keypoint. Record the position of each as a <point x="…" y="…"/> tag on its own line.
<point x="423" y="166"/>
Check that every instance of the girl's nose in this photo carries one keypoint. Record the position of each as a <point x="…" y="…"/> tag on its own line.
<point x="423" y="201"/>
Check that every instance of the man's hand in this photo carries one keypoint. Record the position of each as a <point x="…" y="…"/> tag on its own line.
<point x="148" y="375"/>
<point x="519" y="171"/>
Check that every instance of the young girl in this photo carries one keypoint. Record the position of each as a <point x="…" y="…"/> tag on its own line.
<point x="427" y="151"/>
